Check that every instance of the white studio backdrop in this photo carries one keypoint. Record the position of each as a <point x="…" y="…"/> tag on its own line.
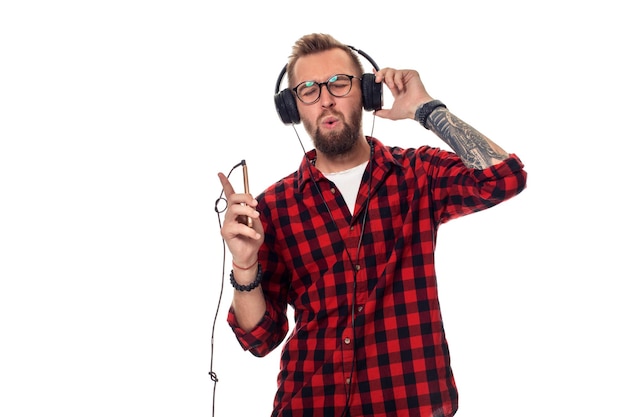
<point x="115" y="118"/>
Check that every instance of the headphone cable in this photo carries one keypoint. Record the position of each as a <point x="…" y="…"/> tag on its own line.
<point x="219" y="211"/>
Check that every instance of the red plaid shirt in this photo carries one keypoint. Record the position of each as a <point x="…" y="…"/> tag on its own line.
<point x="393" y="358"/>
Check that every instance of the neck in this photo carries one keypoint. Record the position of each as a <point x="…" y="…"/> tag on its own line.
<point x="359" y="154"/>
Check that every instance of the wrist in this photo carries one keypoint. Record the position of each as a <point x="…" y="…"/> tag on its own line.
<point x="425" y="110"/>
<point x="250" y="286"/>
<point x="245" y="266"/>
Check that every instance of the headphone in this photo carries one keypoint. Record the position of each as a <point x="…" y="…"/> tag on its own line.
<point x="287" y="108"/>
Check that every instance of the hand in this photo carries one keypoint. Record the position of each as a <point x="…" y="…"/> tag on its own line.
<point x="407" y="90"/>
<point x="242" y="241"/>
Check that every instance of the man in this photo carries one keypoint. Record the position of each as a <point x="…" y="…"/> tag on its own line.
<point x="348" y="241"/>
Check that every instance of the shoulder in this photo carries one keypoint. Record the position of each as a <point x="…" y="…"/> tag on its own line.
<point x="279" y="191"/>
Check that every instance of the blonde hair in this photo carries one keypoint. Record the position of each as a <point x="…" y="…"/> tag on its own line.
<point x="314" y="43"/>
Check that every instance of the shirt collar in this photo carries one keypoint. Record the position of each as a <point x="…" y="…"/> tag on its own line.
<point x="382" y="159"/>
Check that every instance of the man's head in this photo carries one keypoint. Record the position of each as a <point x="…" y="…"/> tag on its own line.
<point x="318" y="42"/>
<point x="326" y="75"/>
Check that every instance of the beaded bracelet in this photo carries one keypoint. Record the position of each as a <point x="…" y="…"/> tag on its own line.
<point x="248" y="287"/>
<point x="422" y="113"/>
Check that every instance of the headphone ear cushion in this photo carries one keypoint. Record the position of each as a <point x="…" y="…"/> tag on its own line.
<point x="286" y="107"/>
<point x="372" y="92"/>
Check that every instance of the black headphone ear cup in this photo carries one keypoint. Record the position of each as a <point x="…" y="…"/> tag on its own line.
<point x="372" y="92"/>
<point x="286" y="107"/>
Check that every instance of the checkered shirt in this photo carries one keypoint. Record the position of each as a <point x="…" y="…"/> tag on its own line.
<point x="368" y="327"/>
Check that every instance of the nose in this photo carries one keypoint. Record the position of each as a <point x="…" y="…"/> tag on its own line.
<point x="326" y="99"/>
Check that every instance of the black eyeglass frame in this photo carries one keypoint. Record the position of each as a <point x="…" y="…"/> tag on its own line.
<point x="319" y="89"/>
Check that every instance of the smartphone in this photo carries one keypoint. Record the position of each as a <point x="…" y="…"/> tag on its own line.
<point x="246" y="186"/>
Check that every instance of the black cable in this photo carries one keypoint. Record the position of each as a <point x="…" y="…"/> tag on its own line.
<point x="219" y="211"/>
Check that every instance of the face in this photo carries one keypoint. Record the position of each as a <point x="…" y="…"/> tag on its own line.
<point x="334" y="123"/>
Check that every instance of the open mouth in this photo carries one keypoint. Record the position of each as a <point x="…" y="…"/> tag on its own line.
<point x="330" y="122"/>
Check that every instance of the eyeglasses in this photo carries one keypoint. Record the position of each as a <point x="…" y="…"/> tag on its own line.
<point x="338" y="85"/>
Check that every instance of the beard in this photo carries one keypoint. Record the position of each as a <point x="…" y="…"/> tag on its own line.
<point x="337" y="142"/>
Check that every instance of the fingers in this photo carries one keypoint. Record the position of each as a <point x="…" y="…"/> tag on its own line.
<point x="240" y="206"/>
<point x="231" y="196"/>
<point x="408" y="92"/>
<point x="236" y="224"/>
<point x="236" y="230"/>
<point x="395" y="80"/>
<point x="242" y="229"/>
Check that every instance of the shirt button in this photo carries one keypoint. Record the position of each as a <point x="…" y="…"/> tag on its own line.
<point x="347" y="381"/>
<point x="357" y="267"/>
<point x="359" y="308"/>
<point x="332" y="190"/>
<point x="346" y="340"/>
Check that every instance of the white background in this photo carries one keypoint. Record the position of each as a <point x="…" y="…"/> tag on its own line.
<point x="116" y="116"/>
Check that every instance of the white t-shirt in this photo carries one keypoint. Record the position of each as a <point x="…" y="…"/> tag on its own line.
<point x="348" y="182"/>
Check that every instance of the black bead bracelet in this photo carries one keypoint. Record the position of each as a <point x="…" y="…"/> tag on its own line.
<point x="249" y="287"/>
<point x="422" y="113"/>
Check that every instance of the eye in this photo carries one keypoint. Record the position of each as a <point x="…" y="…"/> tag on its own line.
<point x="341" y="83"/>
<point x="305" y="92"/>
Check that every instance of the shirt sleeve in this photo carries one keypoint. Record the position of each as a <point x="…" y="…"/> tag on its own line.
<point x="261" y="340"/>
<point x="458" y="190"/>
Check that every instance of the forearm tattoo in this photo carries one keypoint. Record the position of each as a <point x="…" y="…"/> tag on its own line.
<point x="469" y="144"/>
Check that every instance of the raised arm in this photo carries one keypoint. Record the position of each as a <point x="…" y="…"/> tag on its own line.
<point x="412" y="101"/>
<point x="475" y="149"/>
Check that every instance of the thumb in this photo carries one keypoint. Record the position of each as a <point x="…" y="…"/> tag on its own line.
<point x="382" y="113"/>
